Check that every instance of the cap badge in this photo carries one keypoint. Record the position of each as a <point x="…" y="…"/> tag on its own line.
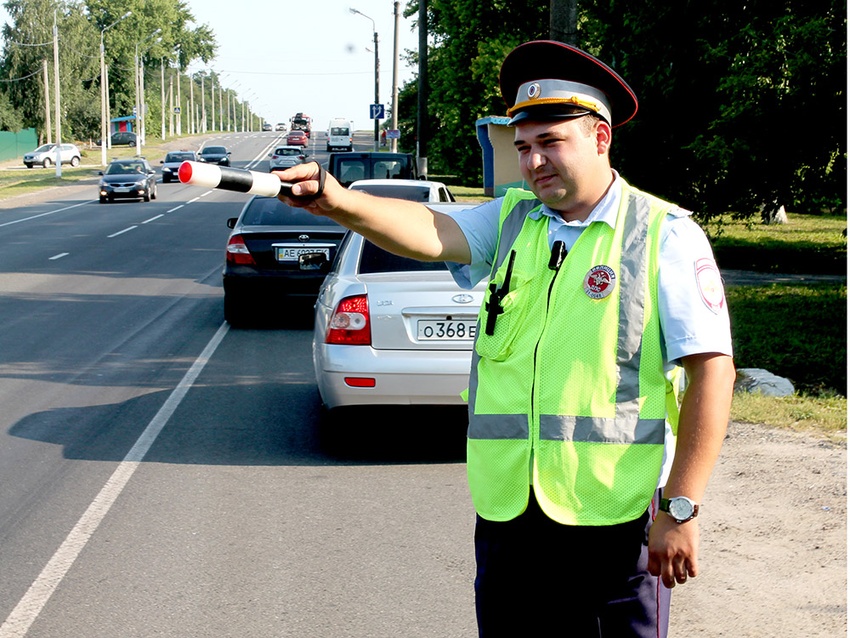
<point x="533" y="91"/>
<point x="599" y="282"/>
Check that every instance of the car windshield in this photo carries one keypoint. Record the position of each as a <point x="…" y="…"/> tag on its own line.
<point x="270" y="211"/>
<point x="374" y="260"/>
<point x="214" y="150"/>
<point x="288" y="151"/>
<point x="413" y="193"/>
<point x="179" y="157"/>
<point x="124" y="168"/>
<point x="42" y="148"/>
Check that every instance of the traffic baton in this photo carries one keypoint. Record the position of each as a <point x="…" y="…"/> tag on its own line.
<point x="240" y="179"/>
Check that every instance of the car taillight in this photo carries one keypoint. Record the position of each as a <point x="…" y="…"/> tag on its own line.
<point x="237" y="252"/>
<point x="350" y="325"/>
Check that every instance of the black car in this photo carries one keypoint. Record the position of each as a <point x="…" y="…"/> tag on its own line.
<point x="121" y="138"/>
<point x="215" y="155"/>
<point x="275" y="253"/>
<point x="127" y="179"/>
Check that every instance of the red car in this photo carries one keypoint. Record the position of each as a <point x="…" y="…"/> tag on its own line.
<point x="296" y="138"/>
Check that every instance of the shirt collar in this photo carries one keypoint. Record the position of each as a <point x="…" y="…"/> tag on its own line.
<point x="605" y="211"/>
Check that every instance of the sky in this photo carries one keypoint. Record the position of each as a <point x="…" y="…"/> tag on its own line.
<point x="310" y="56"/>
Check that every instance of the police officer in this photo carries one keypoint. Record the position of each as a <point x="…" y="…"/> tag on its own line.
<point x="600" y="295"/>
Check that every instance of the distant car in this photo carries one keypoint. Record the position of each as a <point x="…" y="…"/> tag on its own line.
<point x="296" y="138"/>
<point x="417" y="190"/>
<point x="390" y="330"/>
<point x="121" y="138"/>
<point x="127" y="179"/>
<point x="215" y="155"/>
<point x="173" y="160"/>
<point x="286" y="156"/>
<point x="280" y="126"/>
<point x="45" y="155"/>
<point x="274" y="253"/>
<point x="267" y="126"/>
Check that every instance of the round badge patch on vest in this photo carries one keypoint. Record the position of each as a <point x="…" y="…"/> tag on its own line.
<point x="710" y="284"/>
<point x="599" y="282"/>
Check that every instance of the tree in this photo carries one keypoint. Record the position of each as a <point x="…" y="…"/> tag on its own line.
<point x="29" y="41"/>
<point x="742" y="105"/>
<point x="471" y="38"/>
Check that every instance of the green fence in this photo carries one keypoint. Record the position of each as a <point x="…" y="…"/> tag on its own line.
<point x="14" y="145"/>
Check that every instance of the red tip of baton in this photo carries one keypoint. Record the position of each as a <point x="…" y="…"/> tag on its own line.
<point x="185" y="172"/>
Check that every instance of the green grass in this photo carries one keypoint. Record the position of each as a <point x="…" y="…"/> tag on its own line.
<point x="810" y="244"/>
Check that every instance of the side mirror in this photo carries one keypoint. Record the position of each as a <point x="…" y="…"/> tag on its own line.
<point x="162" y="161"/>
<point x="100" y="172"/>
<point x="231" y="223"/>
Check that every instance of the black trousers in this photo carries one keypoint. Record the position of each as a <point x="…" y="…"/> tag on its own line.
<point x="536" y="577"/>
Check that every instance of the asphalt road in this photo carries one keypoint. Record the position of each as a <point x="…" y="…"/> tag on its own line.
<point x="162" y="474"/>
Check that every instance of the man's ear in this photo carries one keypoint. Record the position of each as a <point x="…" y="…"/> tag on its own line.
<point x="603" y="137"/>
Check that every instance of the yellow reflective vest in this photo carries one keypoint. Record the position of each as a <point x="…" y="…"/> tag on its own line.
<point x="568" y="394"/>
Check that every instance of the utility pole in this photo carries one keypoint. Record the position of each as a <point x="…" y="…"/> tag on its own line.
<point x="58" y="117"/>
<point x="47" y="125"/>
<point x="563" y="21"/>
<point x="394" y="120"/>
<point x="422" y="98"/>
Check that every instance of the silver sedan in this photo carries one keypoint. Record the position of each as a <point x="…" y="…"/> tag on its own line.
<point x="392" y="331"/>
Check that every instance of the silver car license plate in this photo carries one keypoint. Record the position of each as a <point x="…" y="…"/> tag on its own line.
<point x="289" y="253"/>
<point x="445" y="330"/>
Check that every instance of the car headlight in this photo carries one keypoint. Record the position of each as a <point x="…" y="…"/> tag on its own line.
<point x="165" y="169"/>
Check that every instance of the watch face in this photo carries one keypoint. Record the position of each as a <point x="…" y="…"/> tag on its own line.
<point x="680" y="508"/>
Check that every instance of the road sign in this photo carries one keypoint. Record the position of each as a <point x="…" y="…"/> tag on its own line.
<point x="176" y="109"/>
<point x="376" y="111"/>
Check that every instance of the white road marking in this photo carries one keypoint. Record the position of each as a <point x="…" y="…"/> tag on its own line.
<point x="58" y="210"/>
<point x="121" y="232"/>
<point x="27" y="610"/>
<point x="59" y="256"/>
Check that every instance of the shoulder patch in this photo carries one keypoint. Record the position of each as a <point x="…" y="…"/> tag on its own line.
<point x="710" y="284"/>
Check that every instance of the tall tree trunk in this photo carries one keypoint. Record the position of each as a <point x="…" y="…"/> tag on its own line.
<point x="563" y="21"/>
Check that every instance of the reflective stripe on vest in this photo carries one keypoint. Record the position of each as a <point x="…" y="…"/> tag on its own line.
<point x="526" y="401"/>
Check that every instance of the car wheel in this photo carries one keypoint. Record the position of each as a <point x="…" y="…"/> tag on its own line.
<point x="131" y="143"/>
<point x="165" y="179"/>
<point x="46" y="162"/>
<point x="147" y="196"/>
<point x="153" y="195"/>
<point x="102" y="200"/>
<point x="75" y="161"/>
<point x="28" y="165"/>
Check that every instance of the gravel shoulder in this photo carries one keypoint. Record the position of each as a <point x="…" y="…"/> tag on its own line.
<point x="773" y="557"/>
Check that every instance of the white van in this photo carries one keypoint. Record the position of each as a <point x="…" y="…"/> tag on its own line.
<point x="339" y="135"/>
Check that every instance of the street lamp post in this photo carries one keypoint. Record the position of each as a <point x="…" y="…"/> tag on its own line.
<point x="140" y="97"/>
<point x="377" y="75"/>
<point x="104" y="93"/>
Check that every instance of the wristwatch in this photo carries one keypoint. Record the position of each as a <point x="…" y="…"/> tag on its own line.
<point x="681" y="508"/>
